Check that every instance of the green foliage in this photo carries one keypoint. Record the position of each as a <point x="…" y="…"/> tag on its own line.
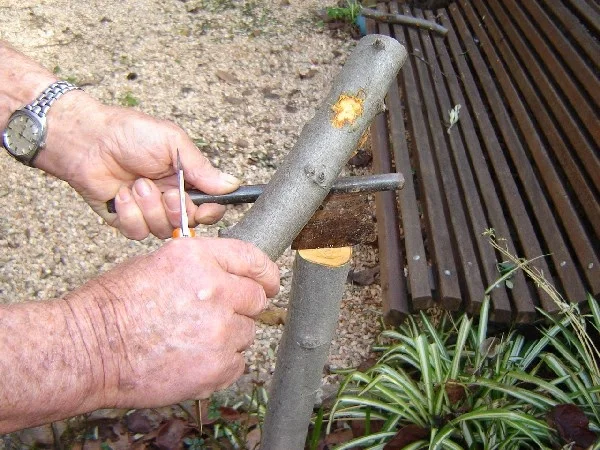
<point x="347" y="13"/>
<point x="129" y="100"/>
<point x="471" y="390"/>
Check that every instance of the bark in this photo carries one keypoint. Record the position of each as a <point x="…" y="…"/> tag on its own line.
<point x="401" y="19"/>
<point x="315" y="300"/>
<point x="325" y="144"/>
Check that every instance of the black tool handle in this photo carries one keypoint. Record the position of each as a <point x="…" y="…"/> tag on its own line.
<point x="249" y="193"/>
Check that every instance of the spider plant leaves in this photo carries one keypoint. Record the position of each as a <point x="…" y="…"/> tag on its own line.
<point x="471" y="390"/>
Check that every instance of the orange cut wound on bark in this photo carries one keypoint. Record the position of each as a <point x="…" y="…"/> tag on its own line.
<point x="347" y="109"/>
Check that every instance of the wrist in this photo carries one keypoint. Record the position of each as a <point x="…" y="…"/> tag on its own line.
<point x="73" y="122"/>
<point x="91" y="320"/>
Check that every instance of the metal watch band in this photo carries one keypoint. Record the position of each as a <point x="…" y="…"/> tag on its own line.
<point x="41" y="104"/>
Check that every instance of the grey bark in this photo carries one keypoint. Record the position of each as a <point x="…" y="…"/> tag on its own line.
<point x="305" y="176"/>
<point x="313" y="314"/>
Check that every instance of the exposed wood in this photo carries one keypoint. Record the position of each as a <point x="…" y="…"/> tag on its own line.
<point x="401" y="19"/>
<point x="307" y="173"/>
<point x="342" y="220"/>
<point x="318" y="283"/>
<point x="330" y="257"/>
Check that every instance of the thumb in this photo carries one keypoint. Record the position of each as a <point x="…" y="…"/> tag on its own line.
<point x="200" y="173"/>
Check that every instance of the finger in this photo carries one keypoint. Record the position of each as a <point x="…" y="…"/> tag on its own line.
<point x="244" y="296"/>
<point x="202" y="174"/>
<point x="209" y="213"/>
<point x="130" y="220"/>
<point x="173" y="208"/>
<point x="235" y="371"/>
<point x="246" y="260"/>
<point x="244" y="330"/>
<point x="149" y="200"/>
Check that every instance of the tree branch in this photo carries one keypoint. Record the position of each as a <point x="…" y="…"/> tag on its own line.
<point x="401" y="19"/>
<point x="325" y="144"/>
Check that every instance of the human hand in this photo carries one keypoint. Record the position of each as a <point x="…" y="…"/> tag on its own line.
<point x="127" y="155"/>
<point x="175" y="322"/>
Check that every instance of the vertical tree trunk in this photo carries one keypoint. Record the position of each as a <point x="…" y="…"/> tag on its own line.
<point x="317" y="289"/>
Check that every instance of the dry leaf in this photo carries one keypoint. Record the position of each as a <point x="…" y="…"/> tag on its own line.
<point x="572" y="425"/>
<point x="226" y="76"/>
<point x="229" y="414"/>
<point x="143" y="421"/>
<point x="405" y="436"/>
<point x="363" y="277"/>
<point x="170" y="435"/>
<point x="273" y="316"/>
<point x="253" y="439"/>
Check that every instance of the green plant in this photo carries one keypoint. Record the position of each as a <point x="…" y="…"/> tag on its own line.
<point x="465" y="389"/>
<point x="347" y="13"/>
<point x="129" y="100"/>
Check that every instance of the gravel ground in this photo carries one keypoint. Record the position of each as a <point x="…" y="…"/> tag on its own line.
<point x="240" y="76"/>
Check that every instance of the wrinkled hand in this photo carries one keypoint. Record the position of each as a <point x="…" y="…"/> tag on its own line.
<point x="178" y="319"/>
<point x="121" y="153"/>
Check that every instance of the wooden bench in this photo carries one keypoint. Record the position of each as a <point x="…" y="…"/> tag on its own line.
<point x="523" y="158"/>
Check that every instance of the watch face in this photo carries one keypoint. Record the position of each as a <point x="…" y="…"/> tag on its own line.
<point x="23" y="134"/>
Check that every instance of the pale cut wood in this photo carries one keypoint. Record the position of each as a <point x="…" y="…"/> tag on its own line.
<point x="330" y="257"/>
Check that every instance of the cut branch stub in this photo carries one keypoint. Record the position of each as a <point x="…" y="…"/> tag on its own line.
<point x="325" y="144"/>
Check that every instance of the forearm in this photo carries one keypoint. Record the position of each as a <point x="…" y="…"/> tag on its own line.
<point x="55" y="359"/>
<point x="21" y="81"/>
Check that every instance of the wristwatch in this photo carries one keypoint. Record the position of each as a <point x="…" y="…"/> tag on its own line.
<point x="25" y="133"/>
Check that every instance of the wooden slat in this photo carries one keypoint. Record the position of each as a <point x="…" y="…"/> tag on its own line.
<point x="548" y="91"/>
<point x="470" y="191"/>
<point x="391" y="259"/>
<point x="467" y="265"/>
<point x="584" y="247"/>
<point x="466" y="233"/>
<point x="587" y="13"/>
<point x="573" y="60"/>
<point x="489" y="213"/>
<point x="416" y="259"/>
<point x="572" y="26"/>
<point x="391" y="267"/>
<point x="439" y="240"/>
<point x="514" y="207"/>
<point x="540" y="208"/>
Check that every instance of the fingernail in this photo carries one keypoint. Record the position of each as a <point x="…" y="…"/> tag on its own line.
<point x="172" y="201"/>
<point x="208" y="219"/>
<point x="124" y="195"/>
<point x="142" y="187"/>
<point x="230" y="179"/>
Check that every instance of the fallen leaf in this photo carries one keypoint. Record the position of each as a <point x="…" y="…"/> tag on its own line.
<point x="253" y="439"/>
<point x="405" y="436"/>
<point x="359" y="426"/>
<point x="367" y="364"/>
<point x="363" y="277"/>
<point x="308" y="74"/>
<point x="170" y="435"/>
<point x="226" y="76"/>
<point x="143" y="421"/>
<point x="273" y="316"/>
<point x="362" y="158"/>
<point x="229" y="414"/>
<point x="455" y="391"/>
<point x="339" y="436"/>
<point x="572" y="425"/>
